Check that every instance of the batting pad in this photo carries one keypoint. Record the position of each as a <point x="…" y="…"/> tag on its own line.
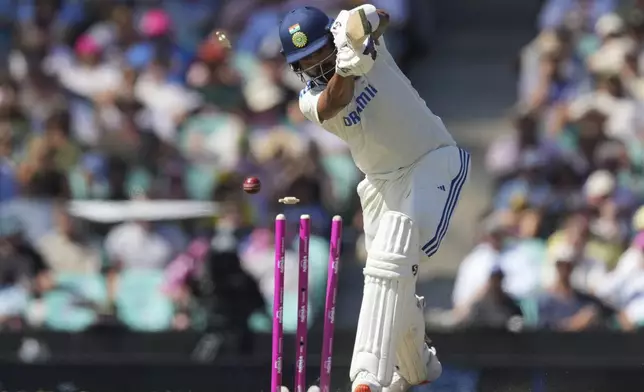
<point x="411" y="351"/>
<point x="389" y="288"/>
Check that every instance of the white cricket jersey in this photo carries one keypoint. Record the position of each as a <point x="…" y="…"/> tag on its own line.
<point x="387" y="126"/>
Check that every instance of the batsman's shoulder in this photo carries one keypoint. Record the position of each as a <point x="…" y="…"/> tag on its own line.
<point x="308" y="101"/>
<point x="306" y="89"/>
<point x="310" y="89"/>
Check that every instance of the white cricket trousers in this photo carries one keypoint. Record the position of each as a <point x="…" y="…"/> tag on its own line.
<point x="427" y="191"/>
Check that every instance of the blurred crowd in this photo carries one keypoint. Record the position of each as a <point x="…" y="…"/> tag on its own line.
<point x="142" y="100"/>
<point x="563" y="245"/>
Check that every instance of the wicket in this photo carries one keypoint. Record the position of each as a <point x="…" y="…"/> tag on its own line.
<point x="302" y="316"/>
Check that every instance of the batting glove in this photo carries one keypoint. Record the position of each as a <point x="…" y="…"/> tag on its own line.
<point x="356" y="62"/>
<point x="339" y="29"/>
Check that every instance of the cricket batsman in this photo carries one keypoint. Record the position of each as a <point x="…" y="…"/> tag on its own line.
<point x="414" y="173"/>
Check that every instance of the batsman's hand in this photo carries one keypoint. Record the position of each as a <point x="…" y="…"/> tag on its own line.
<point x="356" y="62"/>
<point x="339" y="29"/>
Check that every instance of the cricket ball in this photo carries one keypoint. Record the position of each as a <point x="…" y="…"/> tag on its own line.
<point x="252" y="185"/>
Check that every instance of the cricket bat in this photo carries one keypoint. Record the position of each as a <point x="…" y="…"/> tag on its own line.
<point x="358" y="28"/>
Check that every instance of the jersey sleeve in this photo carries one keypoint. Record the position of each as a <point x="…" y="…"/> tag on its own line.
<point x="309" y="98"/>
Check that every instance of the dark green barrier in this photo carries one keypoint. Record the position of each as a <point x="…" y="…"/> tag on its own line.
<point x="119" y="361"/>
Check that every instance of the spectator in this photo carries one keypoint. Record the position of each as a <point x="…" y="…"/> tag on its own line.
<point x="573" y="12"/>
<point x="623" y="285"/>
<point x="587" y="276"/>
<point x="505" y="154"/>
<point x="522" y="259"/>
<point x="614" y="157"/>
<point x="39" y="98"/>
<point x="236" y="284"/>
<point x="566" y="180"/>
<point x="65" y="250"/>
<point x="167" y="101"/>
<point x="588" y="117"/>
<point x="133" y="245"/>
<point x="219" y="81"/>
<point x="117" y="176"/>
<point x="571" y="171"/>
<point x="38" y="174"/>
<point x="22" y="274"/>
<point x="529" y="187"/>
<point x="495" y="308"/>
<point x="57" y="140"/>
<point x="476" y="267"/>
<point x="8" y="185"/>
<point x="563" y="308"/>
<point x="575" y="231"/>
<point x="557" y="76"/>
<point x="104" y="101"/>
<point x="629" y="267"/>
<point x="90" y="76"/>
<point x="631" y="317"/>
<point x="608" y="231"/>
<point x="117" y="32"/>
<point x="579" y="84"/>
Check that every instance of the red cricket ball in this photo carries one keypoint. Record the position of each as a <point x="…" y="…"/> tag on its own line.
<point x="252" y="185"/>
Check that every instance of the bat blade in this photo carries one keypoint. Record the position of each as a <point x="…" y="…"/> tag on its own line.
<point x="358" y="27"/>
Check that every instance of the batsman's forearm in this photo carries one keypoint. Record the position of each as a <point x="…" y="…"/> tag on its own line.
<point x="337" y="95"/>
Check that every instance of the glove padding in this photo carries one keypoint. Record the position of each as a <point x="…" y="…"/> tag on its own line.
<point x="351" y="62"/>
<point x="339" y="29"/>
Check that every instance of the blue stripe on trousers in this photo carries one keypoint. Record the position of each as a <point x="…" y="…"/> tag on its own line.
<point x="450" y="196"/>
<point x="456" y="186"/>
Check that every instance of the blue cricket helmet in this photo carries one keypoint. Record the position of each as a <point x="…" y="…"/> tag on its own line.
<point x="304" y="31"/>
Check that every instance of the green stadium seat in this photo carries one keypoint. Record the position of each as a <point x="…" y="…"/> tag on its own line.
<point x="62" y="310"/>
<point x="343" y="174"/>
<point x="530" y="310"/>
<point x="141" y="304"/>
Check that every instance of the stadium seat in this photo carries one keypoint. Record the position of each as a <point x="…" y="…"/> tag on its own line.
<point x="63" y="310"/>
<point x="530" y="310"/>
<point x="343" y="174"/>
<point x="78" y="184"/>
<point x="140" y="302"/>
<point x="200" y="181"/>
<point x="138" y="180"/>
